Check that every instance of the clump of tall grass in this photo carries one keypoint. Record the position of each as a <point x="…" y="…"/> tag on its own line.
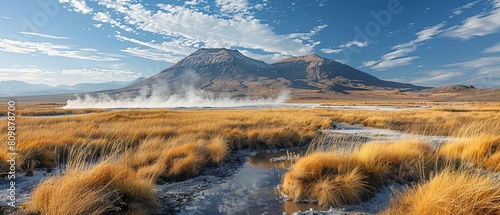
<point x="330" y="180"/>
<point x="108" y="187"/>
<point x="450" y="192"/>
<point x="338" y="178"/>
<point x="482" y="151"/>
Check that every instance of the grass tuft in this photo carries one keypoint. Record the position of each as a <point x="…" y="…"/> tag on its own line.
<point x="450" y="192"/>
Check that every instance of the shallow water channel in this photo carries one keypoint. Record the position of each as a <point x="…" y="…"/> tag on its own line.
<point x="252" y="190"/>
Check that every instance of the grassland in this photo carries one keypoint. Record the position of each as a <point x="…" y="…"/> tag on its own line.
<point x="459" y="177"/>
<point x="137" y="148"/>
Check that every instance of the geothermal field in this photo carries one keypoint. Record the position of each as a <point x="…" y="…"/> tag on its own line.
<point x="250" y="107"/>
<point x="222" y="155"/>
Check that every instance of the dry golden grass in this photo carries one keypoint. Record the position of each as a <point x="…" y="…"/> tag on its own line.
<point x="330" y="179"/>
<point x="338" y="179"/>
<point x="477" y="130"/>
<point x="211" y="134"/>
<point x="149" y="146"/>
<point x="159" y="145"/>
<point x="107" y="187"/>
<point x="444" y="122"/>
<point x="451" y="193"/>
<point x="402" y="161"/>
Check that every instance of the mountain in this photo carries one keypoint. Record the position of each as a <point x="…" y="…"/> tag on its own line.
<point x="450" y="89"/>
<point x="217" y="70"/>
<point x="314" y="72"/>
<point x="17" y="87"/>
<point x="20" y="88"/>
<point x="228" y="71"/>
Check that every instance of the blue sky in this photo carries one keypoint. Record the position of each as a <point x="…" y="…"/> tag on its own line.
<point x="423" y="42"/>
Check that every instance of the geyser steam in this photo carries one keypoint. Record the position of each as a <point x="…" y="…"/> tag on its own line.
<point x="190" y="98"/>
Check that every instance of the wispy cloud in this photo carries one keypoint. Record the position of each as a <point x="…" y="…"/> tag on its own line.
<point x="461" y="9"/>
<point x="478" y="25"/>
<point x="175" y="48"/>
<point x="438" y="78"/>
<point x="493" y="49"/>
<point x="398" y="57"/>
<point x="6" y="17"/>
<point x="233" y="6"/>
<point x="27" y="73"/>
<point x="51" y="49"/>
<point x="106" y="18"/>
<point x="78" y="6"/>
<point x="152" y="54"/>
<point x="395" y="62"/>
<point x="347" y="45"/>
<point x="44" y="35"/>
<point x="480" y="72"/>
<point x="235" y="27"/>
<point x="102" y="74"/>
<point x="330" y="51"/>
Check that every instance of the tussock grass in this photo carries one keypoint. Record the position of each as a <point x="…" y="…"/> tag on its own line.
<point x="147" y="146"/>
<point x="330" y="180"/>
<point x="219" y="130"/>
<point x="480" y="150"/>
<point x="450" y="192"/>
<point x="338" y="178"/>
<point x="109" y="187"/>
<point x="401" y="161"/>
<point x="477" y="141"/>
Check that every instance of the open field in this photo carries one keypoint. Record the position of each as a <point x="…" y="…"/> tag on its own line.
<point x="116" y="157"/>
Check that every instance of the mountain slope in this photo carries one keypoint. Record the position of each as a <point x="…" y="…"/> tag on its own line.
<point x="217" y="70"/>
<point x="329" y="75"/>
<point x="20" y="88"/>
<point x="228" y="71"/>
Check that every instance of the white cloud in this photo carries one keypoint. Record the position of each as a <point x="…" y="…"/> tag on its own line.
<point x="233" y="6"/>
<point x="347" y="45"/>
<point x="211" y="31"/>
<point x="461" y="9"/>
<point x="51" y="49"/>
<point x="194" y="2"/>
<point x="354" y="43"/>
<point x="98" y="25"/>
<point x="399" y="53"/>
<point x="102" y="74"/>
<point x="299" y="37"/>
<point x="493" y="49"/>
<point x="44" y="35"/>
<point x="152" y="54"/>
<point x="6" y="17"/>
<point x="26" y="73"/>
<point x="106" y="18"/>
<point x="268" y="58"/>
<point x="369" y="63"/>
<point x="478" y="63"/>
<point x="438" y="78"/>
<point x="391" y="63"/>
<point x="177" y="48"/>
<point x="481" y="72"/>
<point x="78" y="5"/>
<point x="478" y="25"/>
<point x="397" y="57"/>
<point x="330" y="51"/>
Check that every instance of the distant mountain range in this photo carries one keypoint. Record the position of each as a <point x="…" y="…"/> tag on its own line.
<point x="225" y="71"/>
<point x="20" y="88"/>
<point x="228" y="71"/>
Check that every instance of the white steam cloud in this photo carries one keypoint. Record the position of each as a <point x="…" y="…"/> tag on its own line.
<point x="190" y="98"/>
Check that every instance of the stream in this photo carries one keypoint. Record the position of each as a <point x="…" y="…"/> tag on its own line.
<point x="252" y="190"/>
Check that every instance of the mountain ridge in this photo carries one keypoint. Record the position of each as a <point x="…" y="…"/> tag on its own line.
<point x="21" y="88"/>
<point x="224" y="70"/>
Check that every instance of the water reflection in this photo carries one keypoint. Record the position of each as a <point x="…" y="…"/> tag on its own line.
<point x="250" y="191"/>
